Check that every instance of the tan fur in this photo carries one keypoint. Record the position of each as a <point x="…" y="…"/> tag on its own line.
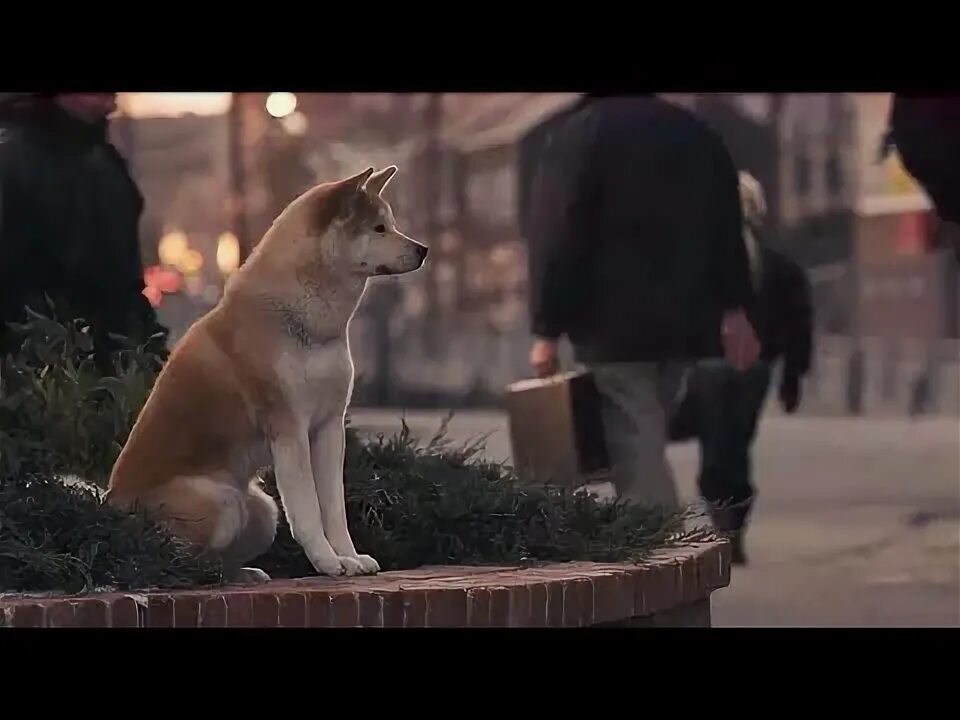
<point x="266" y="376"/>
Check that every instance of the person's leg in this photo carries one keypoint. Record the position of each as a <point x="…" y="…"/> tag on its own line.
<point x="752" y="387"/>
<point x="713" y="393"/>
<point x="635" y="422"/>
<point x="730" y="404"/>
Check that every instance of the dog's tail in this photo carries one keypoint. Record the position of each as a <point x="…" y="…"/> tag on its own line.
<point x="77" y="481"/>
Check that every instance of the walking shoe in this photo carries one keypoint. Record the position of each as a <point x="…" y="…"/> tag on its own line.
<point x="730" y="523"/>
<point x="737" y="554"/>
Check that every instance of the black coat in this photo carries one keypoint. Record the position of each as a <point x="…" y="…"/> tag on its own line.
<point x="783" y="314"/>
<point x="69" y="213"/>
<point x="631" y="209"/>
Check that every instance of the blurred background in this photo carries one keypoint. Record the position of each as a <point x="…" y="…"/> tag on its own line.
<point x="216" y="168"/>
<point x="858" y="514"/>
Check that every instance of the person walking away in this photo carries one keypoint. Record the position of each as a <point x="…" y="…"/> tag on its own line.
<point x="69" y="215"/>
<point x="631" y="210"/>
<point x="722" y="406"/>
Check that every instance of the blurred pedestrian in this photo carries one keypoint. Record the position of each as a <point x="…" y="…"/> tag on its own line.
<point x="722" y="405"/>
<point x="631" y="210"/>
<point x="69" y="214"/>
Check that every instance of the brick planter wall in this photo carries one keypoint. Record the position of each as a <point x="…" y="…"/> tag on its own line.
<point x="672" y="587"/>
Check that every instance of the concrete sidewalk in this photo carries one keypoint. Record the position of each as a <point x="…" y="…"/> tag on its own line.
<point x="857" y="521"/>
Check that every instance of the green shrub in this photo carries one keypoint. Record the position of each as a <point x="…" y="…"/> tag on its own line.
<point x="62" y="539"/>
<point x="59" y="416"/>
<point x="58" y="413"/>
<point x="411" y="505"/>
<point x="408" y="505"/>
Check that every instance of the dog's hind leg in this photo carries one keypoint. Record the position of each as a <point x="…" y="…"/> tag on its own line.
<point x="233" y="524"/>
<point x="254" y="538"/>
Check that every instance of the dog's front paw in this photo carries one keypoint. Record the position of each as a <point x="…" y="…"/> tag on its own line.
<point x="349" y="565"/>
<point x="360" y="565"/>
<point x="368" y="564"/>
<point x="330" y="565"/>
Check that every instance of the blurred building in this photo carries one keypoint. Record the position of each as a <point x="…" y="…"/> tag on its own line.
<point x="801" y="148"/>
<point x="861" y="226"/>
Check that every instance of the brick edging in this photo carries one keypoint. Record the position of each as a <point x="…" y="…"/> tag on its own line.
<point x="576" y="594"/>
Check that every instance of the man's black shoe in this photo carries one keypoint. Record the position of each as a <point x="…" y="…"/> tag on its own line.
<point x="737" y="555"/>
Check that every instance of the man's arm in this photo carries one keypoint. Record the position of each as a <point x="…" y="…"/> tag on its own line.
<point x="565" y="198"/>
<point x="798" y="311"/>
<point x="732" y="280"/>
<point x="792" y="315"/>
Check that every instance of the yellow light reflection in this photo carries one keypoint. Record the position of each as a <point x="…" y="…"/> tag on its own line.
<point x="173" y="246"/>
<point x="228" y="253"/>
<point x="191" y="263"/>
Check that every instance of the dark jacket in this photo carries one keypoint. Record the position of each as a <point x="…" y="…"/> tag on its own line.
<point x="69" y="212"/>
<point x="926" y="132"/>
<point x="631" y="209"/>
<point x="783" y="314"/>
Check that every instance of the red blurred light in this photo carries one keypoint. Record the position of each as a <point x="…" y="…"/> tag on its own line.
<point x="163" y="279"/>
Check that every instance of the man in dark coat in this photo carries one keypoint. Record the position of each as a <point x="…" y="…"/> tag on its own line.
<point x="926" y="132"/>
<point x="69" y="213"/>
<point x="631" y="210"/>
<point x="722" y="407"/>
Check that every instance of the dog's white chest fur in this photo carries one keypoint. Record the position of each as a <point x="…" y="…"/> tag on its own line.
<point x="316" y="381"/>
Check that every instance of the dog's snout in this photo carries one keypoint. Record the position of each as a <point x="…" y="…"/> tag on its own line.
<point x="422" y="251"/>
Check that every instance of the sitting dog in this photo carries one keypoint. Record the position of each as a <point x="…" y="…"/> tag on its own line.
<point x="266" y="377"/>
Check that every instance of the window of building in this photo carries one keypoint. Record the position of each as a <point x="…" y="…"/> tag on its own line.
<point x="834" y="173"/>
<point x="801" y="171"/>
<point x="447" y="208"/>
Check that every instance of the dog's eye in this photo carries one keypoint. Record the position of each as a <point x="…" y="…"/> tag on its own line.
<point x="381" y="228"/>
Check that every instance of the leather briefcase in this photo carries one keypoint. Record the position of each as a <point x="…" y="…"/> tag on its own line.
<point x="556" y="430"/>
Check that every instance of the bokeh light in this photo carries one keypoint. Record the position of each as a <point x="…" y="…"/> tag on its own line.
<point x="228" y="253"/>
<point x="281" y="104"/>
<point x="295" y="124"/>
<point x="173" y="246"/>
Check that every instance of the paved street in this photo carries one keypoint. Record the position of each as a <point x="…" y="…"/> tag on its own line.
<point x="858" y="522"/>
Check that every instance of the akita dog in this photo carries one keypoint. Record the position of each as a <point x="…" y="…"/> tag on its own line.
<point x="266" y="377"/>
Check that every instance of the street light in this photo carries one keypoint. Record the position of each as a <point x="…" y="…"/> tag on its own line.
<point x="281" y="104"/>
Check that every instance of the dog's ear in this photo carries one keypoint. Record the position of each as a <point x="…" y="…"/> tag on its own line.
<point x="378" y="181"/>
<point x="357" y="181"/>
<point x="346" y="194"/>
